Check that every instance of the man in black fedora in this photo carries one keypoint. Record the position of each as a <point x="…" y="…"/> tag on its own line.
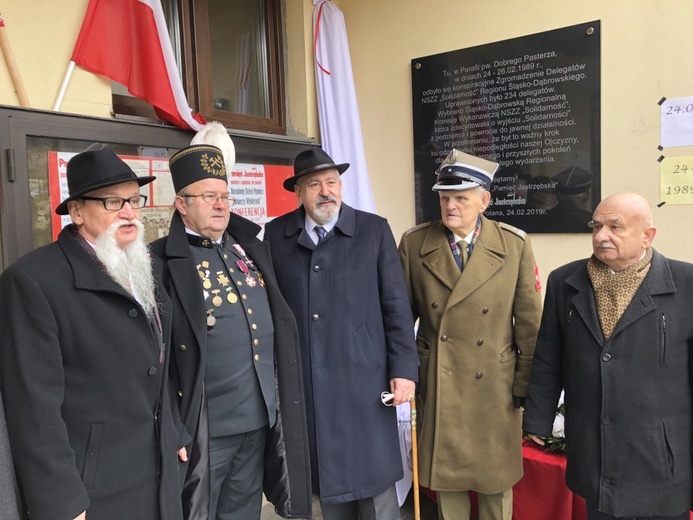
<point x="235" y="357"/>
<point x="84" y="340"/>
<point x="339" y="270"/>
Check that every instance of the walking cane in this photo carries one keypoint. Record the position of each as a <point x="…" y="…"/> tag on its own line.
<point x="414" y="459"/>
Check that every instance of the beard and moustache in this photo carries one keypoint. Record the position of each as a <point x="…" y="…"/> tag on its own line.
<point x="131" y="266"/>
<point x="324" y="214"/>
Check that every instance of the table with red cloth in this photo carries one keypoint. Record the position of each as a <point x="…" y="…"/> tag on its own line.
<point x="541" y="494"/>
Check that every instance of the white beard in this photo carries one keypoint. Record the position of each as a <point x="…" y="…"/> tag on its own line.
<point x="131" y="266"/>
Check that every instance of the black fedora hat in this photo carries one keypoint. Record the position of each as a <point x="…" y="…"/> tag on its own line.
<point x="96" y="169"/>
<point x="312" y="160"/>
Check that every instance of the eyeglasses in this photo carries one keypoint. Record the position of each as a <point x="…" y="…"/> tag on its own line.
<point x="212" y="198"/>
<point x="117" y="203"/>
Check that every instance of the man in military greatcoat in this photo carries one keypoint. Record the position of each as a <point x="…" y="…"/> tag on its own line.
<point x="474" y="287"/>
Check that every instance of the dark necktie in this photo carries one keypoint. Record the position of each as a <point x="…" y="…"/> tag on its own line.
<point x="321" y="232"/>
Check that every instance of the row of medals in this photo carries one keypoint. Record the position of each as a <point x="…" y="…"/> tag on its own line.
<point x="231" y="297"/>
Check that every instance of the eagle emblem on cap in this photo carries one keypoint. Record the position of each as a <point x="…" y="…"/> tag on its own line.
<point x="213" y="165"/>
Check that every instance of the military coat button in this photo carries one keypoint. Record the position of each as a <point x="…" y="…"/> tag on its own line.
<point x="443" y="338"/>
<point x="256" y="357"/>
<point x="480" y="342"/>
<point x="485" y="310"/>
<point x="316" y="317"/>
<point x="479" y="375"/>
<point x="183" y="348"/>
<point x="316" y="268"/>
<point x="434" y="305"/>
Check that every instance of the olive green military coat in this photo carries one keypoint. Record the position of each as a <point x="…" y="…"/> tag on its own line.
<point x="476" y="337"/>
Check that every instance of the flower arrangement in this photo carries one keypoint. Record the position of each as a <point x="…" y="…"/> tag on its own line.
<point x="557" y="440"/>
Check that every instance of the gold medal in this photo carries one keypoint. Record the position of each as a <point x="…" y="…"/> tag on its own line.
<point x="216" y="301"/>
<point x="231" y="297"/>
<point x="206" y="284"/>
<point x="211" y="320"/>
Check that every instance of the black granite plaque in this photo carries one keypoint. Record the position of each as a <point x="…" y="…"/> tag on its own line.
<point x="531" y="104"/>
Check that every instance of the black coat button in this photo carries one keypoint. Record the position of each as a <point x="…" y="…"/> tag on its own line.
<point x="316" y="317"/>
<point x="316" y="268"/>
<point x="606" y="357"/>
<point x="152" y="371"/>
<point x="132" y="313"/>
<point x="606" y="420"/>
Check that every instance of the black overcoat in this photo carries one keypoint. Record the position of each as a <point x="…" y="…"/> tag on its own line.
<point x="356" y="330"/>
<point x="287" y="477"/>
<point x="85" y="394"/>
<point x="628" y="399"/>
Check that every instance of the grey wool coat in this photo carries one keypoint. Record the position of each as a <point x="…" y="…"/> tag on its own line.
<point x="476" y="337"/>
<point x="356" y="333"/>
<point x="627" y="399"/>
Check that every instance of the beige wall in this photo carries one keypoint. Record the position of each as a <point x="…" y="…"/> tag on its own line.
<point x="646" y="54"/>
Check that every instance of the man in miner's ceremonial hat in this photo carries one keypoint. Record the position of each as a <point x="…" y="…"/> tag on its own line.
<point x="236" y="365"/>
<point x="474" y="287"/>
<point x="84" y="344"/>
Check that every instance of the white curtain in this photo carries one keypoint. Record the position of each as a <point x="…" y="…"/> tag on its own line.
<point x="340" y="126"/>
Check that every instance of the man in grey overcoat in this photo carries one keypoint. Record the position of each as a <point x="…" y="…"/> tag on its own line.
<point x="617" y="334"/>
<point x="338" y="269"/>
<point x="84" y="343"/>
<point x="473" y="287"/>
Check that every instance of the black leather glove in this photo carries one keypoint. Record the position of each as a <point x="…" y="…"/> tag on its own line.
<point x="519" y="402"/>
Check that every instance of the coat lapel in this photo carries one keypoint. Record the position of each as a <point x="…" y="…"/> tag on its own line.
<point x="437" y="258"/>
<point x="486" y="260"/>
<point x="180" y="265"/>
<point x="583" y="303"/>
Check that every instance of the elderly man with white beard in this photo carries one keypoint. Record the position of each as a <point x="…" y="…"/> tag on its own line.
<point x="84" y="337"/>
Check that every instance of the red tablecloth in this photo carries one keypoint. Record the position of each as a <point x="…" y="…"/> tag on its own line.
<point x="541" y="494"/>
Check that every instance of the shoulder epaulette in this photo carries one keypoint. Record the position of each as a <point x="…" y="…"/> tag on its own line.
<point x="416" y="228"/>
<point x="513" y="229"/>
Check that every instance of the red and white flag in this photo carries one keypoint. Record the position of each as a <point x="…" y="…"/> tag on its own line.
<point x="127" y="41"/>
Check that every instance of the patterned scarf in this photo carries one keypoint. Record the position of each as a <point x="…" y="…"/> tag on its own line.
<point x="613" y="292"/>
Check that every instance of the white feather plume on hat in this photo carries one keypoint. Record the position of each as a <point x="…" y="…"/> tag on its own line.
<point x="214" y="134"/>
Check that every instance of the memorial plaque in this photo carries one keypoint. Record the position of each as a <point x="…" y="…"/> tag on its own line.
<point x="531" y="104"/>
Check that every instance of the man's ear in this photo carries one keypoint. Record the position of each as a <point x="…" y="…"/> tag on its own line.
<point x="179" y="203"/>
<point x="74" y="208"/>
